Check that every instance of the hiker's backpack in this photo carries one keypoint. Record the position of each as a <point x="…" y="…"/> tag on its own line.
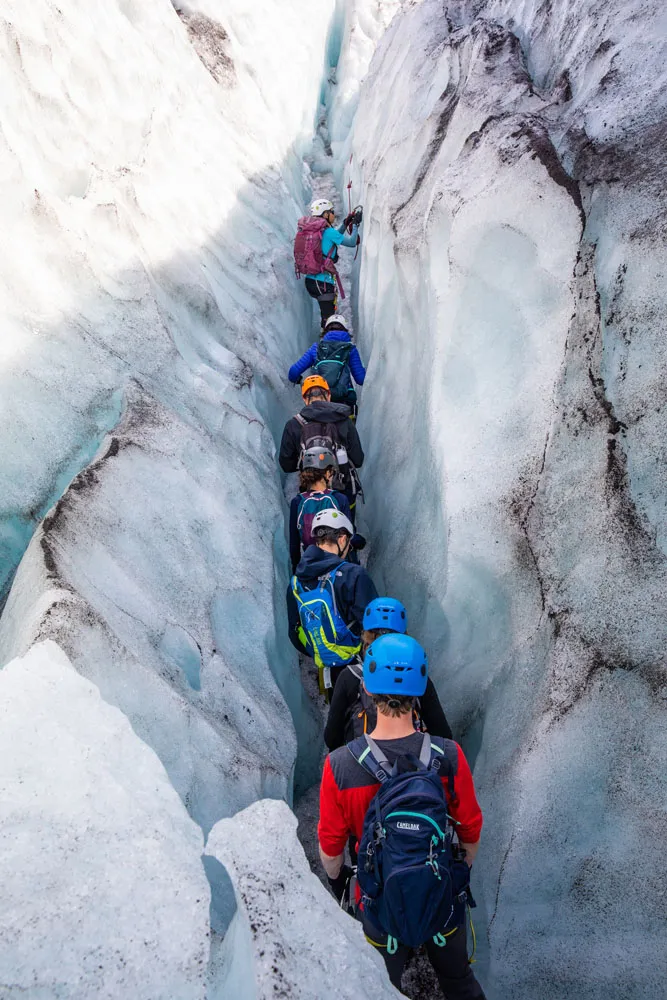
<point x="361" y="716"/>
<point x="323" y="632"/>
<point x="308" y="256"/>
<point x="333" y="364"/>
<point x="311" y="504"/>
<point x="325" y="436"/>
<point x="409" y="871"/>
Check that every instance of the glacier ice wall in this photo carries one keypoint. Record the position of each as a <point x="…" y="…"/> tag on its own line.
<point x="289" y="938"/>
<point x="155" y="158"/>
<point x="103" y="890"/>
<point x="510" y="305"/>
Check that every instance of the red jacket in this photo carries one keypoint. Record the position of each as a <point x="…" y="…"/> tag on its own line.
<point x="347" y="789"/>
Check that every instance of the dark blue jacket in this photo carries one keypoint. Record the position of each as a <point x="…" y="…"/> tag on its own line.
<point x="308" y="359"/>
<point x="353" y="589"/>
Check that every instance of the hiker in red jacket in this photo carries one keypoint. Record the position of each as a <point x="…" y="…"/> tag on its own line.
<point x="395" y="673"/>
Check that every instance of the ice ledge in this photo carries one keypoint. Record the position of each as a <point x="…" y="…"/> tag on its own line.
<point x="288" y="939"/>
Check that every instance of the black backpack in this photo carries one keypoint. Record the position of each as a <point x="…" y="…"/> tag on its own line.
<point x="412" y="873"/>
<point x="333" y="364"/>
<point x="326" y="436"/>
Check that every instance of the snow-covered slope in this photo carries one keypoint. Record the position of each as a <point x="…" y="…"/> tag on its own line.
<point x="510" y="305"/>
<point x="104" y="895"/>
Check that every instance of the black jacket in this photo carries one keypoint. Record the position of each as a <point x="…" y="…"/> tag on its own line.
<point x="353" y="589"/>
<point x="326" y="413"/>
<point x="338" y="729"/>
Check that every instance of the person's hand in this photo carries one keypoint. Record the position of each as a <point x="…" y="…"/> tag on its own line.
<point x="358" y="542"/>
<point x="338" y="885"/>
<point x="348" y="220"/>
<point x="358" y="215"/>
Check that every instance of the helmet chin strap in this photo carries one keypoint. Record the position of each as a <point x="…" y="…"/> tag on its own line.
<point x="338" y="549"/>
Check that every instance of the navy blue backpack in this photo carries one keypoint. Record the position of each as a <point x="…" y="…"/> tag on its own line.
<point x="409" y="871"/>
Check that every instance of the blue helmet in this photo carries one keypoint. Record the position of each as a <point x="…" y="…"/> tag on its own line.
<point x="385" y="612"/>
<point x="395" y="664"/>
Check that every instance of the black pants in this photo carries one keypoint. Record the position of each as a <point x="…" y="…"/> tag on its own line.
<point x="326" y="295"/>
<point x="450" y="963"/>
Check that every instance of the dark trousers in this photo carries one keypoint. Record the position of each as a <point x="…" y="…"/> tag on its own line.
<point x="325" y="293"/>
<point x="450" y="963"/>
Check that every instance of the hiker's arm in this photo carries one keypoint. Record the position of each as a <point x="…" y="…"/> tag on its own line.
<point x="332" y="829"/>
<point x="293" y="621"/>
<point x="334" y="731"/>
<point x="355" y="452"/>
<point x="465" y="809"/>
<point x="432" y="714"/>
<point x="305" y="362"/>
<point x="356" y="367"/>
<point x="332" y="866"/>
<point x="289" y="451"/>
<point x="350" y="240"/>
<point x="471" y="851"/>
<point x="294" y="537"/>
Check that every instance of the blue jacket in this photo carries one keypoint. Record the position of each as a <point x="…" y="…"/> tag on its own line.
<point x="335" y="238"/>
<point x="353" y="588"/>
<point x="308" y="359"/>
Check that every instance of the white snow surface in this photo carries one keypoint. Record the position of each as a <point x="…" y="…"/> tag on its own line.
<point x="510" y="309"/>
<point x="288" y="938"/>
<point x="104" y="895"/>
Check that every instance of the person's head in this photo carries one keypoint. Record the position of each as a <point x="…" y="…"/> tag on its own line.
<point x="395" y="673"/>
<point x="315" y="389"/>
<point x="322" y="208"/>
<point x="317" y="469"/>
<point x="382" y="616"/>
<point x="333" y="532"/>
<point x="336" y="322"/>
<point x="369" y="635"/>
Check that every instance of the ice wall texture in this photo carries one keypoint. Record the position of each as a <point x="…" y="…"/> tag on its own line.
<point x="510" y="307"/>
<point x="154" y="157"/>
<point x="289" y="938"/>
<point x="103" y="889"/>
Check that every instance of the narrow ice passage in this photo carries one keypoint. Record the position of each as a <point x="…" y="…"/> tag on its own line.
<point x="509" y="304"/>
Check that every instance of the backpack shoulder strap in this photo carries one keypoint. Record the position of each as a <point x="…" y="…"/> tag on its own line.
<point x="330" y="578"/>
<point x="363" y="749"/>
<point x="356" y="669"/>
<point x="444" y="758"/>
<point x="301" y="420"/>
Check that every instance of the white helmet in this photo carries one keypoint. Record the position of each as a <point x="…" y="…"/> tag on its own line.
<point x="336" y="319"/>
<point x="332" y="519"/>
<point x="320" y="206"/>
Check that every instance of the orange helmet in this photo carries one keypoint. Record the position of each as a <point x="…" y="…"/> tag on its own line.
<point x="313" y="382"/>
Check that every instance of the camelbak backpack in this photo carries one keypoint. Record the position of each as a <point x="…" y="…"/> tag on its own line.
<point x="323" y="631"/>
<point x="333" y="364"/>
<point x="361" y="716"/>
<point x="311" y="504"/>
<point x="410" y="873"/>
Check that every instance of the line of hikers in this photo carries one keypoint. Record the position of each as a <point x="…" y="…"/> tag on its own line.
<point x="397" y="792"/>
